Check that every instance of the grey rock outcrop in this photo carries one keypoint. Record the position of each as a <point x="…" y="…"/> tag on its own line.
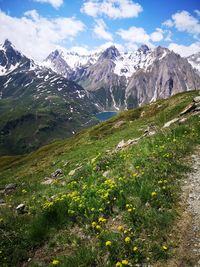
<point x="168" y="75"/>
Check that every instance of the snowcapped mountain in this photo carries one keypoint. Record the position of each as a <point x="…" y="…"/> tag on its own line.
<point x="119" y="80"/>
<point x="68" y="63"/>
<point x="11" y="58"/>
<point x="37" y="104"/>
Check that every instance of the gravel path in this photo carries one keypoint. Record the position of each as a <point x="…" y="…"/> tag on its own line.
<point x="194" y="204"/>
<point x="192" y="190"/>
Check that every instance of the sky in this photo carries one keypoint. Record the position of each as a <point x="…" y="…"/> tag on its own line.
<point x="37" y="27"/>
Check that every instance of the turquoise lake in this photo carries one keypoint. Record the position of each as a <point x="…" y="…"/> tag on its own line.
<point x="104" y="116"/>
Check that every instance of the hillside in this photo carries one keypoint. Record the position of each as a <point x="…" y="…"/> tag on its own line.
<point x="37" y="105"/>
<point x="108" y="196"/>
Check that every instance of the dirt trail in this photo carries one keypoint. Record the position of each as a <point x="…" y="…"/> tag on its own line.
<point x="187" y="230"/>
<point x="192" y="186"/>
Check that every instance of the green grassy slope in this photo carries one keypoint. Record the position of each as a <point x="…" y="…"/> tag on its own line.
<point x="116" y="209"/>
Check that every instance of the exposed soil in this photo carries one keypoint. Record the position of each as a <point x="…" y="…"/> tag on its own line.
<point x="186" y="235"/>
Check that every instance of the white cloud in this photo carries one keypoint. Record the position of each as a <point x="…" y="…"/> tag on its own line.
<point x="185" y="22"/>
<point x="168" y="23"/>
<point x="157" y="36"/>
<point x="100" y="30"/>
<point x="197" y="12"/>
<point x="54" y="3"/>
<point x="134" y="35"/>
<point x="114" y="9"/>
<point x="168" y="38"/>
<point x="137" y="35"/>
<point x="35" y="35"/>
<point x="184" y="50"/>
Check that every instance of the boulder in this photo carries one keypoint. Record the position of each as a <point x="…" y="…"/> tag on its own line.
<point x="167" y="124"/>
<point x="121" y="144"/>
<point x="21" y="208"/>
<point x="57" y="173"/>
<point x="189" y="108"/>
<point x="10" y="187"/>
<point x="197" y="99"/>
<point x="118" y="124"/>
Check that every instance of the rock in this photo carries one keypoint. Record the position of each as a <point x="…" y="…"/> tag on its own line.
<point x="197" y="99"/>
<point x="72" y="172"/>
<point x="21" y="208"/>
<point x="167" y="124"/>
<point x="106" y="174"/>
<point x="189" y="108"/>
<point x="121" y="144"/>
<point x="2" y="202"/>
<point x="10" y="187"/>
<point x="57" y="173"/>
<point x="118" y="124"/>
<point x="149" y="131"/>
<point x="48" y="181"/>
<point x="183" y="120"/>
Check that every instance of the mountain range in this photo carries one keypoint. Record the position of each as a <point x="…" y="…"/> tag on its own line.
<point x="42" y="102"/>
<point x="119" y="81"/>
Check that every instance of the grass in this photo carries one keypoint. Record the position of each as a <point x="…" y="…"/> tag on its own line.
<point x="118" y="207"/>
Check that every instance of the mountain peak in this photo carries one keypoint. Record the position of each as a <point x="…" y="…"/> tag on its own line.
<point x="143" y="48"/>
<point x="110" y="53"/>
<point x="7" y="44"/>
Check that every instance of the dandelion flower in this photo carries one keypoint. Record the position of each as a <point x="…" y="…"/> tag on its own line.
<point x="125" y="262"/>
<point x="127" y="239"/>
<point x="135" y="248"/>
<point x="153" y="194"/>
<point x="120" y="228"/>
<point x="164" y="247"/>
<point x="94" y="224"/>
<point x="98" y="227"/>
<point x="55" y="262"/>
<point x="108" y="243"/>
<point x="118" y="264"/>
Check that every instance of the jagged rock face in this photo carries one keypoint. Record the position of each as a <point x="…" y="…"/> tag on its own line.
<point x="58" y="64"/>
<point x="107" y="88"/>
<point x="167" y="76"/>
<point x="10" y="59"/>
<point x="110" y="53"/>
<point x="125" y="80"/>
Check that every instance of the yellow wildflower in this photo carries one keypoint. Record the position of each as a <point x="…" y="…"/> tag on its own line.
<point x="120" y="228"/>
<point x="127" y="239"/>
<point x="135" y="248"/>
<point x="118" y="264"/>
<point x="153" y="194"/>
<point x="102" y="219"/>
<point x="125" y="262"/>
<point x="55" y="262"/>
<point x="98" y="227"/>
<point x="164" y="247"/>
<point x="108" y="243"/>
<point x="24" y="191"/>
<point x="94" y="224"/>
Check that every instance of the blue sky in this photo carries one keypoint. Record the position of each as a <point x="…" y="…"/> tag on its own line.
<point x="38" y="26"/>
